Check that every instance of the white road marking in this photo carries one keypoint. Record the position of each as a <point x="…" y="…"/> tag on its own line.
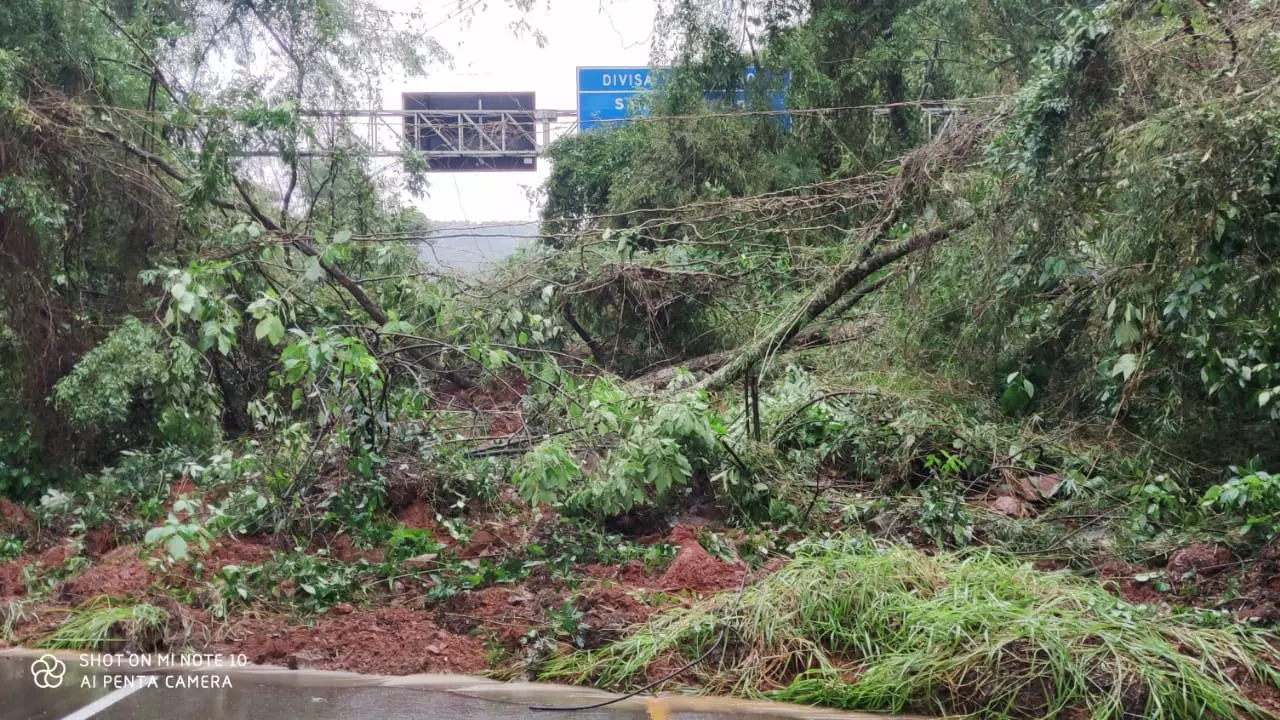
<point x="105" y="701"/>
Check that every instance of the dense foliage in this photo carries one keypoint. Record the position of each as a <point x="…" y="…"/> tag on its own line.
<point x="995" y="259"/>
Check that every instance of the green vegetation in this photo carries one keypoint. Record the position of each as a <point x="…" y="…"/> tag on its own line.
<point x="997" y="294"/>
<point x="12" y="612"/>
<point x="947" y="633"/>
<point x="107" y="627"/>
<point x="11" y="547"/>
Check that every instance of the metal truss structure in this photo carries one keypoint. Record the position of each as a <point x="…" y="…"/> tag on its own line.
<point x="445" y="137"/>
<point x="467" y="139"/>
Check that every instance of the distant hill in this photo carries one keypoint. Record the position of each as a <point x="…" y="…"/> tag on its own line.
<point x="467" y="247"/>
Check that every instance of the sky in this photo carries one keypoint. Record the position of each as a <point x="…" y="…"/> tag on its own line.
<point x="489" y="57"/>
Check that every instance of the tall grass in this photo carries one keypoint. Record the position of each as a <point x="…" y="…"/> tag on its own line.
<point x="103" y="626"/>
<point x="852" y="625"/>
<point x="12" y="612"/>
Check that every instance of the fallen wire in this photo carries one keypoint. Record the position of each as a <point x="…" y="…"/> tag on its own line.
<point x="724" y="631"/>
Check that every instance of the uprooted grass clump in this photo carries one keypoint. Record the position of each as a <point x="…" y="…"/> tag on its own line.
<point x="12" y="612"/>
<point x="103" y="625"/>
<point x="862" y="627"/>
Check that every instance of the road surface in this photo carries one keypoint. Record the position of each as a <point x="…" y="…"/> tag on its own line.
<point x="262" y="693"/>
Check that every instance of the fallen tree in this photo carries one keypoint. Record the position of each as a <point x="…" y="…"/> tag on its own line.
<point x="825" y="296"/>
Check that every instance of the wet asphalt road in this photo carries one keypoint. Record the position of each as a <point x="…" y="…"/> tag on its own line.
<point x="21" y="699"/>
<point x="260" y="693"/>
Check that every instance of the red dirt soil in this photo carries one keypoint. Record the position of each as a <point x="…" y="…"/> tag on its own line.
<point x="1199" y="561"/>
<point x="38" y="625"/>
<point x="99" y="542"/>
<point x="120" y="574"/>
<point x="419" y="516"/>
<point x="510" y="612"/>
<point x="58" y="554"/>
<point x="1258" y="588"/>
<point x="122" y="554"/>
<point x="11" y="577"/>
<point x="695" y="569"/>
<point x="344" y="548"/>
<point x="245" y="551"/>
<point x="1118" y="577"/>
<point x="391" y="641"/>
<point x="183" y="486"/>
<point x="631" y="573"/>
<point x="12" y="517"/>
<point x="607" y="613"/>
<point x="500" y="403"/>
<point x="482" y="543"/>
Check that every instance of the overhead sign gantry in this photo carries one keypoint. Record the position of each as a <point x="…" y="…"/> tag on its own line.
<point x="473" y="131"/>
<point x="493" y="131"/>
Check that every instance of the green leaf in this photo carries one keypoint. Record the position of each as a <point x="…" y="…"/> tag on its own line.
<point x="186" y="300"/>
<point x="1127" y="334"/>
<point x="314" y="270"/>
<point x="271" y="328"/>
<point x="177" y="547"/>
<point x="1013" y="399"/>
<point x="1125" y="365"/>
<point x="260" y="307"/>
<point x="661" y="479"/>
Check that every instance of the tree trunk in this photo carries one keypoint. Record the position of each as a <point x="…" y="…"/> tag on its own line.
<point x="822" y="298"/>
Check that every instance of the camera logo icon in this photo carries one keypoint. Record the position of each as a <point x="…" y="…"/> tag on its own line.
<point x="47" y="671"/>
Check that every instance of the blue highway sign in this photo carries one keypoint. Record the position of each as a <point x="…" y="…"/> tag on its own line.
<point x="605" y="94"/>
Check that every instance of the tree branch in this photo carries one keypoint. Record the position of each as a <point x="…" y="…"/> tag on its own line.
<point x="305" y="247"/>
<point x="846" y="303"/>
<point x="596" y="351"/>
<point x="300" y="242"/>
<point x="821" y="299"/>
